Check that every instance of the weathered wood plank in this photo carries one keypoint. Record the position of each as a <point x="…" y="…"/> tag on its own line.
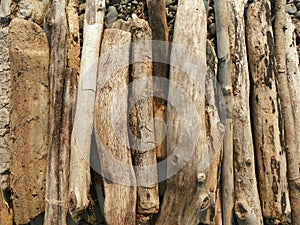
<point x="80" y="179"/>
<point x="186" y="197"/>
<point x="270" y="155"/>
<point x="247" y="204"/>
<point x="110" y="122"/>
<point x="225" y="82"/>
<point x="58" y="157"/>
<point x="141" y="121"/>
<point x="29" y="57"/>
<point x="160" y="35"/>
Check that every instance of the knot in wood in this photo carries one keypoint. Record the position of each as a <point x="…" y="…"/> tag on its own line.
<point x="201" y="177"/>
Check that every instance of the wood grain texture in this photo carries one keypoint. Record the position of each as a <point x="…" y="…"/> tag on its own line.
<point x="29" y="57"/>
<point x="111" y="124"/>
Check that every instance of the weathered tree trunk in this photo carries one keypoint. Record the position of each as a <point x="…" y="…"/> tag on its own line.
<point x="293" y="80"/>
<point x="290" y="133"/>
<point x="270" y="155"/>
<point x="141" y="124"/>
<point x="160" y="35"/>
<point x="110" y="121"/>
<point x="80" y="179"/>
<point x="247" y="205"/>
<point x="187" y="146"/>
<point x="59" y="152"/>
<point x="5" y="80"/>
<point x="225" y="82"/>
<point x="214" y="132"/>
<point x="29" y="57"/>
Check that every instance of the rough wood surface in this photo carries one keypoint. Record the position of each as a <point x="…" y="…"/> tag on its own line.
<point x="160" y="35"/>
<point x="80" y="179"/>
<point x="214" y="133"/>
<point x="225" y="82"/>
<point x="188" y="148"/>
<point x="293" y="75"/>
<point x="270" y="155"/>
<point x="29" y="56"/>
<point x="141" y="124"/>
<point x="73" y="35"/>
<point x="110" y="122"/>
<point x="58" y="157"/>
<point x="5" y="88"/>
<point x="247" y="204"/>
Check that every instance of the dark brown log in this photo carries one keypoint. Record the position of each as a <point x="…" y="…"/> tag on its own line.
<point x="29" y="57"/>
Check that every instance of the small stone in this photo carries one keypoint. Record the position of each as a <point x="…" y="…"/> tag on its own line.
<point x="173" y="8"/>
<point x="297" y="15"/>
<point x="291" y="8"/>
<point x="212" y="28"/>
<point x="135" y="2"/>
<point x="111" y="15"/>
<point x="298" y="6"/>
<point x="169" y="2"/>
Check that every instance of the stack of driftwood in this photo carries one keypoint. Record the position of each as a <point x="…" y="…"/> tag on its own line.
<point x="123" y="125"/>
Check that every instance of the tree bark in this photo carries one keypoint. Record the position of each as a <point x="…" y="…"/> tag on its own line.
<point x="29" y="60"/>
<point x="80" y="179"/>
<point x="160" y="35"/>
<point x="141" y="124"/>
<point x="247" y="204"/>
<point x="225" y="82"/>
<point x="270" y="155"/>
<point x="110" y="121"/>
<point x="187" y="147"/>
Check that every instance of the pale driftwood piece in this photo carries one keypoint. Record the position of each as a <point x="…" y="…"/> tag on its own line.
<point x="293" y="82"/>
<point x="80" y="178"/>
<point x="29" y="60"/>
<point x="160" y="35"/>
<point x="56" y="197"/>
<point x="73" y="35"/>
<point x="247" y="204"/>
<point x="225" y="82"/>
<point x="214" y="132"/>
<point x="142" y="127"/>
<point x="270" y="155"/>
<point x="188" y="148"/>
<point x="110" y="122"/>
<point x="6" y="214"/>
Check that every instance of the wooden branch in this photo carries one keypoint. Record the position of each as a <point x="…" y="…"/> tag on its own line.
<point x="225" y="82"/>
<point x="160" y="32"/>
<point x="289" y="83"/>
<point x="29" y="60"/>
<point x="214" y="132"/>
<point x="247" y="204"/>
<point x="110" y="123"/>
<point x="143" y="139"/>
<point x="80" y="179"/>
<point x="271" y="158"/>
<point x="60" y="103"/>
<point x="186" y="120"/>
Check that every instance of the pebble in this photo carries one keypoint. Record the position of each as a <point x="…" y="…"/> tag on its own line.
<point x="169" y="2"/>
<point x="212" y="29"/>
<point x="298" y="6"/>
<point x="291" y="8"/>
<point x="297" y="15"/>
<point x="112" y="14"/>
